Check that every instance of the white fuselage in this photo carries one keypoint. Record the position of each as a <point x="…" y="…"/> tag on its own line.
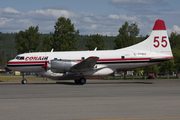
<point x="109" y="61"/>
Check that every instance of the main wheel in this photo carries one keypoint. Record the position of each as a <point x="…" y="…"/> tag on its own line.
<point x="82" y="80"/>
<point x="24" y="81"/>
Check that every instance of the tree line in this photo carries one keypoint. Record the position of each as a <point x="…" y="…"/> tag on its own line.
<point x="64" y="38"/>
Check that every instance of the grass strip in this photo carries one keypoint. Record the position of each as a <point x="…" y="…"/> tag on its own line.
<point x="19" y="79"/>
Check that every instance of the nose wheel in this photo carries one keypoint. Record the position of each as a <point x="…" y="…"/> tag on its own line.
<point x="24" y="81"/>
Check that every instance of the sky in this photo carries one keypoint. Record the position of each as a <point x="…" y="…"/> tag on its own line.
<point x="104" y="17"/>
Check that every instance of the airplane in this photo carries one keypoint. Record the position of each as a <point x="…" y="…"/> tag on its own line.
<point x="97" y="64"/>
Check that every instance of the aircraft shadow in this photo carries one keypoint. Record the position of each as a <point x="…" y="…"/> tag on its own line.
<point x="72" y="83"/>
<point x="136" y="83"/>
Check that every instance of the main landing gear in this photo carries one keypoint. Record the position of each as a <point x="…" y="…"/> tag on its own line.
<point x="24" y="81"/>
<point x="80" y="81"/>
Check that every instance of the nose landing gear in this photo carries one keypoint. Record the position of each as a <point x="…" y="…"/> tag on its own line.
<point x="24" y="81"/>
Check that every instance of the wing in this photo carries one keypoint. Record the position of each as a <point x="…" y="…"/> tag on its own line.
<point x="87" y="64"/>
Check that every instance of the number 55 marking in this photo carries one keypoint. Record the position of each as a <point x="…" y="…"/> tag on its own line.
<point x="156" y="41"/>
<point x="163" y="42"/>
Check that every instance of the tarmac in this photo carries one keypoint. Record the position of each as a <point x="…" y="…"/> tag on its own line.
<point x="95" y="100"/>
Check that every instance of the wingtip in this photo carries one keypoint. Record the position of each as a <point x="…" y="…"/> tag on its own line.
<point x="159" y="25"/>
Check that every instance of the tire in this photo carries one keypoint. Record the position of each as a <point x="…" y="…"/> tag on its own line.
<point x="82" y="80"/>
<point x="24" y="81"/>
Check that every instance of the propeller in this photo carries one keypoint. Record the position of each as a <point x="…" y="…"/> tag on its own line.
<point x="45" y="66"/>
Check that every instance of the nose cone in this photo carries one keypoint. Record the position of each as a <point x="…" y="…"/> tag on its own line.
<point x="11" y="64"/>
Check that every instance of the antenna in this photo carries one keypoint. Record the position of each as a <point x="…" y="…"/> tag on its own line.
<point x="52" y="49"/>
<point x="95" y="49"/>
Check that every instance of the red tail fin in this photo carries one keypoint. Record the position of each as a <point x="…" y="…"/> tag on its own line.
<point x="159" y="25"/>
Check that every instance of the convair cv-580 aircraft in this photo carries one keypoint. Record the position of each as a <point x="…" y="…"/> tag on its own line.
<point x="82" y="65"/>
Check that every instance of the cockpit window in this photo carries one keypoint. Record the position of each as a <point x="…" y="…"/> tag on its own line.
<point x="19" y="57"/>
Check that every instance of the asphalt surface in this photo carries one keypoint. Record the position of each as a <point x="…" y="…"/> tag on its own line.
<point x="96" y="100"/>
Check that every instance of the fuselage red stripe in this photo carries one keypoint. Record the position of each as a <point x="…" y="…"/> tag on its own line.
<point x="127" y="59"/>
<point x="29" y="62"/>
<point x="100" y="60"/>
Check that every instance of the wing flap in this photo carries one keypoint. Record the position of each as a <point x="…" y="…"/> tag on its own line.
<point x="87" y="64"/>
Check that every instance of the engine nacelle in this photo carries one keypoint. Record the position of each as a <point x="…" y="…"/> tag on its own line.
<point x="60" y="66"/>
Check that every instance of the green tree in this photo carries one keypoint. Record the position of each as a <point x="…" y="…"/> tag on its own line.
<point x="127" y="35"/>
<point x="46" y="44"/>
<point x="27" y="40"/>
<point x="141" y="38"/>
<point x="174" y="40"/>
<point x="175" y="45"/>
<point x="176" y="55"/>
<point x="150" y="69"/>
<point x="95" y="41"/>
<point x="64" y="37"/>
<point x="167" y="67"/>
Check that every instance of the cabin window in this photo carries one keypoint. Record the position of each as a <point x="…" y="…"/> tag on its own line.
<point x="82" y="58"/>
<point x="122" y="57"/>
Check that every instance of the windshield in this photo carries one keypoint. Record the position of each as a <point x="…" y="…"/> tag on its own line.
<point x="19" y="57"/>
